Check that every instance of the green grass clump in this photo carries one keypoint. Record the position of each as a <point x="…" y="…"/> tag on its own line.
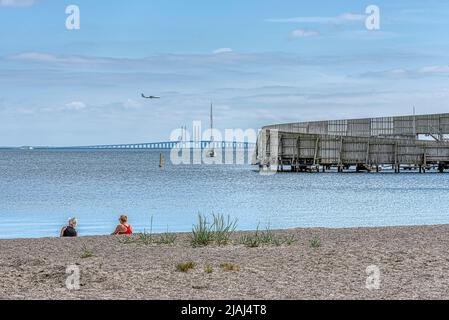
<point x="208" y="269"/>
<point x="290" y="240"/>
<point x="202" y="234"/>
<point x="315" y="242"/>
<point x="223" y="229"/>
<point x="127" y="240"/>
<point x="87" y="253"/>
<point x="218" y="232"/>
<point x="146" y="238"/>
<point x="185" y="266"/>
<point x="266" y="237"/>
<point x="167" y="238"/>
<point x="229" y="267"/>
<point x="250" y="241"/>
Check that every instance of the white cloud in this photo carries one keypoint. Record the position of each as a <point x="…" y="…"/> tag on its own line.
<point x="427" y="71"/>
<point x="51" y="58"/>
<point x="222" y="50"/>
<point x="352" y="17"/>
<point x="301" y="20"/>
<point x="434" y="69"/>
<point x="76" y="105"/>
<point x="260" y="88"/>
<point x="35" y="56"/>
<point x="187" y="66"/>
<point x="345" y="17"/>
<point x="17" y="3"/>
<point x="301" y="33"/>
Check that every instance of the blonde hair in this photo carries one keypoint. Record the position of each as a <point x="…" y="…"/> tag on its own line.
<point x="123" y="218"/>
<point x="73" y="222"/>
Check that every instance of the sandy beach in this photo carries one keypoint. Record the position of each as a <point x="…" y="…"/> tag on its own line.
<point x="413" y="264"/>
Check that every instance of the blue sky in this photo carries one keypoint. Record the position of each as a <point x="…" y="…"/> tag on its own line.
<point x="261" y="62"/>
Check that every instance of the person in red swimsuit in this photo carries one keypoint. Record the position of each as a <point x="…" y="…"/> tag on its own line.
<point x="123" y="228"/>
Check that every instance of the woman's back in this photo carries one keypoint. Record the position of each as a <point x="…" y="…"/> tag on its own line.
<point x="70" y="232"/>
<point x="128" y="230"/>
<point x="123" y="227"/>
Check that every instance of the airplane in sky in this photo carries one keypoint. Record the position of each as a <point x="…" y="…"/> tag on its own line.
<point x="150" y="97"/>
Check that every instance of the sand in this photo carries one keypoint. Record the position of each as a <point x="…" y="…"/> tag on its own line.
<point x="413" y="264"/>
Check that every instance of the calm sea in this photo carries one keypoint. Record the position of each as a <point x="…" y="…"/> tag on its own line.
<point x="40" y="190"/>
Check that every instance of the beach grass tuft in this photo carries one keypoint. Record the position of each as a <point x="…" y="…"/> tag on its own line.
<point x="315" y="242"/>
<point x="87" y="253"/>
<point x="229" y="267"/>
<point x="185" y="266"/>
<point x="266" y="237"/>
<point x="223" y="228"/>
<point x="219" y="231"/>
<point x="146" y="238"/>
<point x="208" y="269"/>
<point x="290" y="240"/>
<point x="128" y="240"/>
<point x="202" y="234"/>
<point x="251" y="240"/>
<point x="167" y="238"/>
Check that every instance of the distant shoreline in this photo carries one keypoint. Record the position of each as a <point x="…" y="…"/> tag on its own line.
<point x="322" y="263"/>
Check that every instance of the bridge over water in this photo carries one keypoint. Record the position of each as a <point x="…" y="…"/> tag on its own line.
<point x="165" y="145"/>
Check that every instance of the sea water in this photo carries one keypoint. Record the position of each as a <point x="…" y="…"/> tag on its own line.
<point x="41" y="189"/>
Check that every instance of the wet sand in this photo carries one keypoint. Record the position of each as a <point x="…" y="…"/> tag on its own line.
<point x="413" y="264"/>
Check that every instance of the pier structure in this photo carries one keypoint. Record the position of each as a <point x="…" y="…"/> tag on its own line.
<point x="405" y="142"/>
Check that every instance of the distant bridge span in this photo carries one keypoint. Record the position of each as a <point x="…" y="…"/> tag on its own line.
<point x="165" y="145"/>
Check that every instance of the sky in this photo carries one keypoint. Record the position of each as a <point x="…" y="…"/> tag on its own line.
<point x="260" y="62"/>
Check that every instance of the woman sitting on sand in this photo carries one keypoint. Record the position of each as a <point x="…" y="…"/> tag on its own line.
<point x="70" y="230"/>
<point x="123" y="228"/>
